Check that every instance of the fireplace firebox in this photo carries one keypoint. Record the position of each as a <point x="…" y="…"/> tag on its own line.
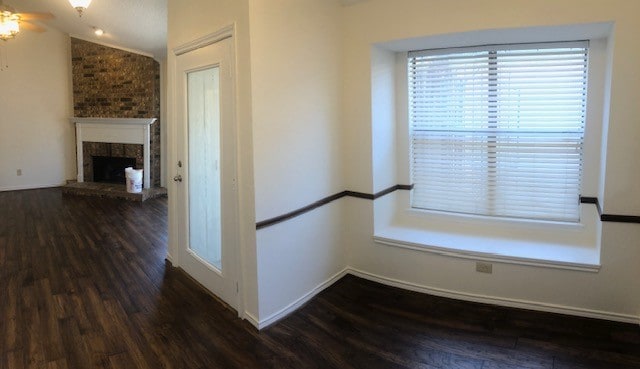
<point x="109" y="169"/>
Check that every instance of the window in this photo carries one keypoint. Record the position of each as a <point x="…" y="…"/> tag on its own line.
<point x="499" y="130"/>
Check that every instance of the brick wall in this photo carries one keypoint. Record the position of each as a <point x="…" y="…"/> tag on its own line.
<point x="112" y="83"/>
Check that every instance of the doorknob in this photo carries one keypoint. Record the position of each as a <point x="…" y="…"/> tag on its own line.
<point x="178" y="178"/>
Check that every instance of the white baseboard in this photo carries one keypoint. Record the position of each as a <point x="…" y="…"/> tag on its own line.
<point x="260" y="324"/>
<point x="500" y="301"/>
<point x="251" y="319"/>
<point x="464" y="296"/>
<point x="30" y="187"/>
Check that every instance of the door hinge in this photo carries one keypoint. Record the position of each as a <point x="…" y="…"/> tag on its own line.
<point x="237" y="288"/>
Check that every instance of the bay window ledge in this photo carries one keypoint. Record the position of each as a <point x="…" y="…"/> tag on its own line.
<point x="574" y="256"/>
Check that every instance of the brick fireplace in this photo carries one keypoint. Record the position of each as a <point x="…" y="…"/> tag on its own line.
<point x="116" y="103"/>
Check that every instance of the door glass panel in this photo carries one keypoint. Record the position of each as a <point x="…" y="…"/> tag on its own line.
<point x="203" y="104"/>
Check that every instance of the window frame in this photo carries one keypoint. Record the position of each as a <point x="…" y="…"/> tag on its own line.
<point x="492" y="51"/>
<point x="571" y="246"/>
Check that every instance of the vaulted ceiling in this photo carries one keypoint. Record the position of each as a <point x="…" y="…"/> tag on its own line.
<point x="140" y="25"/>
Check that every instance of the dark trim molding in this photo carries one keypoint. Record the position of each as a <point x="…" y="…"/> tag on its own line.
<point x="391" y="189"/>
<point x="298" y="212"/>
<point x="591" y="200"/>
<point x="386" y="191"/>
<point x="359" y="195"/>
<point x="620" y="218"/>
<point x="609" y="217"/>
<point x="588" y="200"/>
<point x="374" y="196"/>
<point x="328" y="199"/>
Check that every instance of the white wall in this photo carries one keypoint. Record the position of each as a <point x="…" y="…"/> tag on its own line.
<point x="383" y="117"/>
<point x="295" y="79"/>
<point x="35" y="101"/>
<point x="613" y="291"/>
<point x="305" y="103"/>
<point x="299" y="258"/>
<point x="288" y="103"/>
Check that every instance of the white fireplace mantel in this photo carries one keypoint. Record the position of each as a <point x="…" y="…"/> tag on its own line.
<point x="114" y="130"/>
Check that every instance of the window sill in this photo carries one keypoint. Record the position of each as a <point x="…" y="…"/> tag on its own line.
<point x="503" y="250"/>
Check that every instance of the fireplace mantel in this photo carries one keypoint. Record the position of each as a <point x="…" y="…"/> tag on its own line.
<point x="114" y="130"/>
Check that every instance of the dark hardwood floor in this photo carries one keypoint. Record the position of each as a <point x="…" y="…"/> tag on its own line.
<point x="84" y="285"/>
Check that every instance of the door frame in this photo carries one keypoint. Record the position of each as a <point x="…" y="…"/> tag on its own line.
<point x="173" y="254"/>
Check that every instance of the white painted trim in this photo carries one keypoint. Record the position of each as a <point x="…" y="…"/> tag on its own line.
<point x="494" y="300"/>
<point x="174" y="154"/>
<point x="299" y="302"/>
<point x="146" y="155"/>
<point x="135" y="51"/>
<point x="79" y="154"/>
<point x="462" y="254"/>
<point x="164" y="177"/>
<point x="132" y="121"/>
<point x="251" y="319"/>
<point x="207" y="40"/>
<point x="30" y="187"/>
<point x="114" y="130"/>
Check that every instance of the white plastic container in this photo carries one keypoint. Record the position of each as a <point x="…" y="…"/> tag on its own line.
<point x="134" y="180"/>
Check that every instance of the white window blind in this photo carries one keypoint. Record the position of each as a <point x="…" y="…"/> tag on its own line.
<point x="498" y="130"/>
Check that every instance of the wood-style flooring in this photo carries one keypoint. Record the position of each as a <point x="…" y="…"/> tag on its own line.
<point x="84" y="284"/>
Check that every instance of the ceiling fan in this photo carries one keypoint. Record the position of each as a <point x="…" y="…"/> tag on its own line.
<point x="11" y="21"/>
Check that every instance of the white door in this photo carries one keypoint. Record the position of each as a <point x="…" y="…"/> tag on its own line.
<point x="206" y="170"/>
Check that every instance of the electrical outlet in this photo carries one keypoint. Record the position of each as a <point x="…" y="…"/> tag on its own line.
<point x="19" y="172"/>
<point x="484" y="267"/>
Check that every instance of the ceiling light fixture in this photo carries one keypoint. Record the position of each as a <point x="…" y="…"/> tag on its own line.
<point x="98" y="31"/>
<point x="9" y="25"/>
<point x="80" y="5"/>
